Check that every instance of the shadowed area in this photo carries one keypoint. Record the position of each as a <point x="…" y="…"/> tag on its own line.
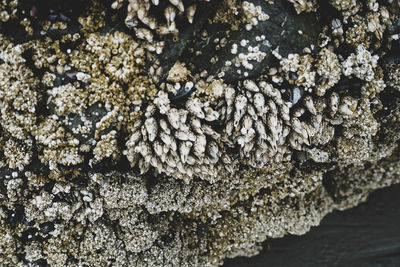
<point x="368" y="235"/>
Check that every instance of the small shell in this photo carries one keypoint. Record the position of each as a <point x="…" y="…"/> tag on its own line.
<point x="196" y="125"/>
<point x="240" y="106"/>
<point x="164" y="126"/>
<point x="158" y="148"/>
<point x="195" y="107"/>
<point x="259" y="103"/>
<point x="285" y="111"/>
<point x="272" y="142"/>
<point x="210" y="132"/>
<point x="296" y="125"/>
<point x="211" y="115"/>
<point x="185" y="135"/>
<point x="316" y="121"/>
<point x="143" y="166"/>
<point x="247" y="123"/>
<point x="144" y="133"/>
<point x="298" y="112"/>
<point x="166" y="138"/>
<point x="248" y="148"/>
<point x="334" y="103"/>
<point x="144" y="33"/>
<point x="213" y="150"/>
<point x="229" y="95"/>
<point x="143" y="148"/>
<point x="178" y="4"/>
<point x="251" y="133"/>
<point x="174" y="118"/>
<point x="222" y="113"/>
<point x="278" y="97"/>
<point x="180" y="167"/>
<point x="171" y="161"/>
<point x="266" y="89"/>
<point x="272" y="107"/>
<point x="261" y="129"/>
<point x="169" y="13"/>
<point x="184" y="150"/>
<point x="304" y="133"/>
<point x="183" y="115"/>
<point x="229" y="128"/>
<point x="190" y="11"/>
<point x="308" y="102"/>
<point x="151" y="128"/>
<point x="272" y="121"/>
<point x="200" y="145"/>
<point x="135" y="137"/>
<point x="252" y="111"/>
<point x="191" y="161"/>
<point x="251" y="86"/>
<point x="295" y="141"/>
<point x="150" y="110"/>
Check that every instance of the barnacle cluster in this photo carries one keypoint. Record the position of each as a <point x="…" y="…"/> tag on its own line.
<point x="181" y="142"/>
<point x="8" y="9"/>
<point x="138" y="14"/>
<point x="115" y="150"/>
<point x="304" y="5"/>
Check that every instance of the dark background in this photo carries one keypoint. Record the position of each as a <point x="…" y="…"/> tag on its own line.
<point x="367" y="235"/>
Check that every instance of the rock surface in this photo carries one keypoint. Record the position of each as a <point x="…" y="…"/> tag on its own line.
<point x="189" y="139"/>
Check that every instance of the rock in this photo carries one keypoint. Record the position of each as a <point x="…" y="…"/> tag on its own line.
<point x="283" y="30"/>
<point x="130" y="138"/>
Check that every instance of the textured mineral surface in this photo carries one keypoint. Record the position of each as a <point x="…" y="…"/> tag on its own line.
<point x="185" y="132"/>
